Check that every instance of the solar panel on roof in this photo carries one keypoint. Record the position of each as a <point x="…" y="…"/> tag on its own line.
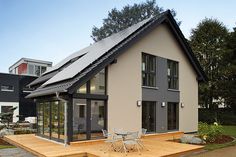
<point x="93" y="52"/>
<point x="67" y="59"/>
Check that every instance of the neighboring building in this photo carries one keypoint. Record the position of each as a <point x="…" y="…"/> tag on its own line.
<point x="27" y="66"/>
<point x="145" y="76"/>
<point x="13" y="90"/>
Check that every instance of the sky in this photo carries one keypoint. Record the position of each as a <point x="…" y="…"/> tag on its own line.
<point x="53" y="29"/>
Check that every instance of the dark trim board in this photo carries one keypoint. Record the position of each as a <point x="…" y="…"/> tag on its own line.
<point x="46" y="137"/>
<point x="193" y="132"/>
<point x="90" y="96"/>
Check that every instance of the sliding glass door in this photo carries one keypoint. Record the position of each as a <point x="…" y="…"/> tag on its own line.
<point x="149" y="116"/>
<point x="79" y="119"/>
<point x="97" y="118"/>
<point x="88" y="119"/>
<point x="51" y="120"/>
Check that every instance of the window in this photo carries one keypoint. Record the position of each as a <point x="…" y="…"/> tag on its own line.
<point x="50" y="120"/>
<point x="31" y="69"/>
<point x="97" y="83"/>
<point x="43" y="69"/>
<point x="81" y="111"/>
<point x="37" y="70"/>
<point x="82" y="89"/>
<point x="149" y="70"/>
<point x="40" y="117"/>
<point x="7" y="88"/>
<point x="173" y="74"/>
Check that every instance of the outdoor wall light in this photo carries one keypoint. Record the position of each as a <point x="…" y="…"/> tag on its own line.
<point x="139" y="103"/>
<point x="182" y="105"/>
<point x="163" y="104"/>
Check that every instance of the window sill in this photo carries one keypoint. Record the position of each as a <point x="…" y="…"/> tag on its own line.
<point x="148" y="87"/>
<point x="6" y="90"/>
<point x="173" y="90"/>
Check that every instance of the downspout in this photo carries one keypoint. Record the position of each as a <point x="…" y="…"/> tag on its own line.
<point x="65" y="118"/>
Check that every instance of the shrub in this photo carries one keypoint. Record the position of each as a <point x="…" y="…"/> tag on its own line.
<point x="24" y="131"/>
<point x="209" y="133"/>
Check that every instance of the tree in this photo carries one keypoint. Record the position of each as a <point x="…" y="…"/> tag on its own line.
<point x="6" y="117"/>
<point x="118" y="20"/>
<point x="208" y="41"/>
<point x="229" y="82"/>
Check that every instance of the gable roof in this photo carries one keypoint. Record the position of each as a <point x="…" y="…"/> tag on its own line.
<point x="94" y="58"/>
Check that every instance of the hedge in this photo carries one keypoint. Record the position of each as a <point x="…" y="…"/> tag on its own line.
<point x="224" y="116"/>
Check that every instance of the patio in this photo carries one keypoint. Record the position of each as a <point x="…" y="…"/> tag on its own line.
<point x="157" y="145"/>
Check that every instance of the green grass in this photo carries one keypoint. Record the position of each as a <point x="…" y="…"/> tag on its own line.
<point x="227" y="130"/>
<point x="6" y="146"/>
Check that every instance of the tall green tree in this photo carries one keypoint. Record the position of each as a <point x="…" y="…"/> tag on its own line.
<point x="208" y="41"/>
<point x="229" y="82"/>
<point x="118" y="20"/>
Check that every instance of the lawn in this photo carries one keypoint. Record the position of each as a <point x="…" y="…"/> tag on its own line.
<point x="227" y="130"/>
<point x="6" y="146"/>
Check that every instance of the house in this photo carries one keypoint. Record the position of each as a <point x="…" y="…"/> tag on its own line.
<point x="13" y="90"/>
<point x="28" y="66"/>
<point x="145" y="76"/>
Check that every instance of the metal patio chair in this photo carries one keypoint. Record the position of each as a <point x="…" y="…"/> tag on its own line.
<point x="131" y="141"/>
<point x="139" y="140"/>
<point x="110" y="141"/>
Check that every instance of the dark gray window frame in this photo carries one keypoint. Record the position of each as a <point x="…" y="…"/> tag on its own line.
<point x="173" y="77"/>
<point x="147" y="72"/>
<point x="50" y="101"/>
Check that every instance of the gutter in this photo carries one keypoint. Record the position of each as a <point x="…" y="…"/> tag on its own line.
<point x="65" y="118"/>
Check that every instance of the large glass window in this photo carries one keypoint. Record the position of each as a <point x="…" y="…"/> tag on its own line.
<point x="46" y="119"/>
<point x="148" y="70"/>
<point x="82" y="89"/>
<point x="173" y="74"/>
<point x="54" y="119"/>
<point x="97" y="118"/>
<point x="51" y="119"/>
<point x="79" y="119"/>
<point x="40" y="117"/>
<point x="36" y="69"/>
<point x="97" y="83"/>
<point x="61" y="121"/>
